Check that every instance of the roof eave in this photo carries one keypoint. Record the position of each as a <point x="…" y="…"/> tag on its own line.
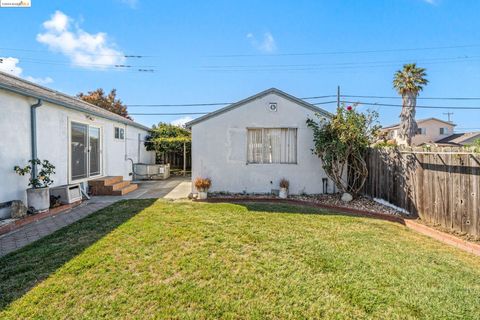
<point x="254" y="97"/>
<point x="70" y="106"/>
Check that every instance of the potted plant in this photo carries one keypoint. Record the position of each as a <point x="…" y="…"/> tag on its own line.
<point x="202" y="185"/>
<point x="284" y="184"/>
<point x="38" y="196"/>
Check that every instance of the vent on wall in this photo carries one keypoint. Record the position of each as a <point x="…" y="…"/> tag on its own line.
<point x="272" y="106"/>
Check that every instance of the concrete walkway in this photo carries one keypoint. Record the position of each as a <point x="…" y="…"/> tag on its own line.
<point x="174" y="188"/>
<point x="32" y="232"/>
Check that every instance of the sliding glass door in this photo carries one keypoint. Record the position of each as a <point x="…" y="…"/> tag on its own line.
<point x="85" y="152"/>
<point x="94" y="157"/>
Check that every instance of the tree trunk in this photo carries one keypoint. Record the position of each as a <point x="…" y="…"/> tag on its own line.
<point x="408" y="126"/>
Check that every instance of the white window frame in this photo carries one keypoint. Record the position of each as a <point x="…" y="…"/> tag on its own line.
<point x="445" y="130"/>
<point x="121" y="133"/>
<point x="69" y="148"/>
<point x="423" y="131"/>
<point x="263" y="134"/>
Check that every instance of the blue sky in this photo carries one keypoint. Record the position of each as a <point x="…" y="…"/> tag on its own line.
<point x="224" y="51"/>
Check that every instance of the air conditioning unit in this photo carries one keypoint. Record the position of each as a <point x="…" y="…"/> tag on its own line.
<point x="67" y="194"/>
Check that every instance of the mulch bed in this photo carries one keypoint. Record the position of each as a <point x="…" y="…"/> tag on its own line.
<point x="330" y="200"/>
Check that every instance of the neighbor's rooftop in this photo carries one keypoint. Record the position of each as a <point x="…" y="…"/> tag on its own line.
<point x="395" y="126"/>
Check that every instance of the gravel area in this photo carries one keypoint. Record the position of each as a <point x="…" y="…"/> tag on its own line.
<point x="361" y="203"/>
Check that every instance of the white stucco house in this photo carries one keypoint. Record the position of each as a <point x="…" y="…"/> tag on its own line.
<point x="429" y="130"/>
<point x="250" y="145"/>
<point x="81" y="140"/>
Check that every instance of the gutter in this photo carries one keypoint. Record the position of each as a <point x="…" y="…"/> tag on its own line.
<point x="28" y="93"/>
<point x="33" y="131"/>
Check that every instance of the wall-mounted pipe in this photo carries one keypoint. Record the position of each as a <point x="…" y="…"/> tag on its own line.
<point x="33" y="130"/>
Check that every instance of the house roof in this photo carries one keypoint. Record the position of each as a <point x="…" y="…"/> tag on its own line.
<point x="30" y="89"/>
<point x="394" y="126"/>
<point x="258" y="96"/>
<point x="459" y="139"/>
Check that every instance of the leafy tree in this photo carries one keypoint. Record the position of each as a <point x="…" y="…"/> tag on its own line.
<point x="168" y="138"/>
<point x="341" y="143"/>
<point x="108" y="102"/>
<point x="475" y="145"/>
<point x="409" y="82"/>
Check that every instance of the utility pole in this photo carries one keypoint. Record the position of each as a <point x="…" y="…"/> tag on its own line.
<point x="338" y="96"/>
<point x="448" y="114"/>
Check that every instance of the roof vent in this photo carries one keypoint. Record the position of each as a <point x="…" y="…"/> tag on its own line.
<point x="272" y="106"/>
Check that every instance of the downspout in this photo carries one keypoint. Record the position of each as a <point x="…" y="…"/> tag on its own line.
<point x="33" y="130"/>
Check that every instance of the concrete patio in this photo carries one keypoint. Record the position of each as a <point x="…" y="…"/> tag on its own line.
<point x="173" y="188"/>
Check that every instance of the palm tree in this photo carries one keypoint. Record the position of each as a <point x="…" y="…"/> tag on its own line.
<point x="409" y="82"/>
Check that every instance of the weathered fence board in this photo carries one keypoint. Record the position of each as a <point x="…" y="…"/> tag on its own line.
<point x="442" y="188"/>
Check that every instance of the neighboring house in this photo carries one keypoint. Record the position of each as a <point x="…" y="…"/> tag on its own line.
<point x="429" y="130"/>
<point x="81" y="140"/>
<point x="459" y="139"/>
<point x="250" y="145"/>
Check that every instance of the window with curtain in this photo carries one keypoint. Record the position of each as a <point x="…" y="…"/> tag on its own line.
<point x="272" y="145"/>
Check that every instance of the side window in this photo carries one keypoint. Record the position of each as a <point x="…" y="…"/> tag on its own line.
<point x="422" y="131"/>
<point x="119" y="133"/>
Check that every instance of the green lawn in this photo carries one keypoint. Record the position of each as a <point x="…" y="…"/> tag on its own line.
<point x="144" y="259"/>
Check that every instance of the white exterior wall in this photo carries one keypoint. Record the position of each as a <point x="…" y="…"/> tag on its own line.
<point x="219" y="149"/>
<point x="53" y="143"/>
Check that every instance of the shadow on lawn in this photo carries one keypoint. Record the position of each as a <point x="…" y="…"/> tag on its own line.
<point x="300" y="208"/>
<point x="23" y="269"/>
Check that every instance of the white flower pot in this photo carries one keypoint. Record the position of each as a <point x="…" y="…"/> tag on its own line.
<point x="283" y="193"/>
<point x="202" y="195"/>
<point x="38" y="199"/>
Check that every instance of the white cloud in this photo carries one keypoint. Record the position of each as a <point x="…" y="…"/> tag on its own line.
<point x="267" y="45"/>
<point x="430" y="1"/>
<point x="181" y="121"/>
<point x="82" y="48"/>
<point x="10" y="65"/>
<point x="41" y="81"/>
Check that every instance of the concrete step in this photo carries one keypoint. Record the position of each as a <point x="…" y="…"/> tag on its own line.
<point x="131" y="187"/>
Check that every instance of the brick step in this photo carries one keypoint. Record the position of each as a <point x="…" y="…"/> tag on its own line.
<point x="118" y="185"/>
<point x="107" y="186"/>
<point x="131" y="187"/>
<point x="105" y="181"/>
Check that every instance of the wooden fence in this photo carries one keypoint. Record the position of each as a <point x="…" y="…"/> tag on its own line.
<point x="175" y="159"/>
<point x="441" y="186"/>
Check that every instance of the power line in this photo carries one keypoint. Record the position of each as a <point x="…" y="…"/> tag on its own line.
<point x="179" y="105"/>
<point x="131" y="55"/>
<point x="85" y="53"/>
<point x="333" y="67"/>
<point x="469" y="128"/>
<point x="167" y="114"/>
<point x="399" y="105"/>
<point x="418" y="98"/>
<point x="465" y="57"/>
<point x="210" y="104"/>
<point x="345" y="52"/>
